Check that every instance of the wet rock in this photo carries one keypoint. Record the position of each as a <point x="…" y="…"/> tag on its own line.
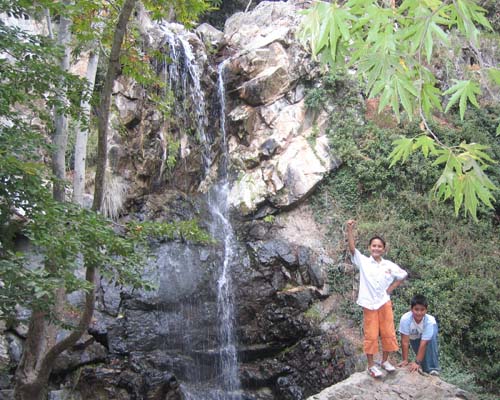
<point x="15" y="347"/>
<point x="85" y="353"/>
<point x="63" y="394"/>
<point x="126" y="380"/>
<point x="7" y="394"/>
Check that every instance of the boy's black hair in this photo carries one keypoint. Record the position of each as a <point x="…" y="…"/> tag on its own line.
<point x="419" y="299"/>
<point x="376" y="237"/>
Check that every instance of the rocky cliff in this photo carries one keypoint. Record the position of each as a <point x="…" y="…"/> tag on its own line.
<point x="164" y="166"/>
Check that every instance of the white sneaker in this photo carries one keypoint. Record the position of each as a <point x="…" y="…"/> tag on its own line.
<point x="388" y="366"/>
<point x="375" y="372"/>
<point x="434" y="372"/>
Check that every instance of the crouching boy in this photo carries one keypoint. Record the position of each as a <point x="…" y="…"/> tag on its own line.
<point x="421" y="331"/>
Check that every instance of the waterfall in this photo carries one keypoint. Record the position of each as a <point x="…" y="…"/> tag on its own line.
<point x="183" y="76"/>
<point x="218" y="201"/>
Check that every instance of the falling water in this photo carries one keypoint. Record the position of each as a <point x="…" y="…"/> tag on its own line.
<point x="184" y="77"/>
<point x="225" y="304"/>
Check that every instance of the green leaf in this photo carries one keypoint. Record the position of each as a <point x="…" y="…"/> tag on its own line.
<point x="464" y="179"/>
<point x="406" y="91"/>
<point x="402" y="149"/>
<point x="430" y="98"/>
<point x="426" y="143"/>
<point x="494" y="74"/>
<point x="462" y="91"/>
<point x="475" y="150"/>
<point x="445" y="155"/>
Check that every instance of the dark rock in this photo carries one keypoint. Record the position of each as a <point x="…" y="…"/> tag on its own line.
<point x="6" y="395"/>
<point x="71" y="360"/>
<point x="126" y="379"/>
<point x="6" y="381"/>
<point x="268" y="148"/>
<point x="271" y="251"/>
<point x="64" y="394"/>
<point x="15" y="347"/>
<point x="288" y="390"/>
<point x="316" y="276"/>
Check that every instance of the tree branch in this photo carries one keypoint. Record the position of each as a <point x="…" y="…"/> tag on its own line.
<point x="103" y="112"/>
<point x="80" y="329"/>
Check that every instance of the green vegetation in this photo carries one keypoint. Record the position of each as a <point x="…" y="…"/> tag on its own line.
<point x="453" y="260"/>
<point x="37" y="96"/>
<point x="392" y="46"/>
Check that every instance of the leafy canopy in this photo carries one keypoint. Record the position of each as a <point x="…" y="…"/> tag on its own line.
<point x="391" y="46"/>
<point x="31" y="88"/>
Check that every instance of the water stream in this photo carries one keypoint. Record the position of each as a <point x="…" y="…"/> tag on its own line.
<point x="222" y="381"/>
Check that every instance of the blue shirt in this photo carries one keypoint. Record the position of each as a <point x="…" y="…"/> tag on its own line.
<point x="424" y="330"/>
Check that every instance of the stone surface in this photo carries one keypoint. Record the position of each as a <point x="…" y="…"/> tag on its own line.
<point x="278" y="148"/>
<point x="401" y="385"/>
<point x="86" y="353"/>
<point x="4" y="352"/>
<point x="209" y="34"/>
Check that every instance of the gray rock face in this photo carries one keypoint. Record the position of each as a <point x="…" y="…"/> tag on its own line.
<point x="400" y="385"/>
<point x="278" y="148"/>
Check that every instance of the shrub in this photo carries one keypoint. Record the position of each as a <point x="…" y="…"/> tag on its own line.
<point x="452" y="260"/>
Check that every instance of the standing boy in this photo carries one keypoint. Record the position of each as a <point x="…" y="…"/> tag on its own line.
<point x="378" y="277"/>
<point x="421" y="331"/>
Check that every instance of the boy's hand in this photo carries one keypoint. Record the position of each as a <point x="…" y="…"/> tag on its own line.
<point x="413" y="367"/>
<point x="350" y="236"/>
<point x="403" y="363"/>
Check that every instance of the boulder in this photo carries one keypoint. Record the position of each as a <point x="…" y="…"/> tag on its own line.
<point x="209" y="34"/>
<point x="396" y="386"/>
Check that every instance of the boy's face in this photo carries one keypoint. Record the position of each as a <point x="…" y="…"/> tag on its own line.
<point x="376" y="248"/>
<point x="418" y="312"/>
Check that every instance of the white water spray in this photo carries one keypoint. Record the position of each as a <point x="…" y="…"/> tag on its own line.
<point x="183" y="76"/>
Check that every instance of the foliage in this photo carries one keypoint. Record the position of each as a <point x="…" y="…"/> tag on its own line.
<point x="62" y="234"/>
<point x="450" y="260"/>
<point x="391" y="47"/>
<point x="270" y="219"/>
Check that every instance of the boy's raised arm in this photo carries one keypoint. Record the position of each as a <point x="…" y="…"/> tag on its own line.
<point x="350" y="235"/>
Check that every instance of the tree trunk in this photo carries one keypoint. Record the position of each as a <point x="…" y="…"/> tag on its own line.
<point x="31" y="380"/>
<point x="83" y="133"/>
<point x="103" y="113"/>
<point x="60" y="140"/>
<point x="40" y="349"/>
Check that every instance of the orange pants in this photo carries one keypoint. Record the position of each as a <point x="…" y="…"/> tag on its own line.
<point x="379" y="323"/>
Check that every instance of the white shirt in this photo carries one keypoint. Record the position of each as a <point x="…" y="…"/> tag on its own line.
<point x="374" y="279"/>
<point x="424" y="330"/>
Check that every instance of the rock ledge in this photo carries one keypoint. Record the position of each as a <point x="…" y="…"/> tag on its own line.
<point x="402" y="385"/>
